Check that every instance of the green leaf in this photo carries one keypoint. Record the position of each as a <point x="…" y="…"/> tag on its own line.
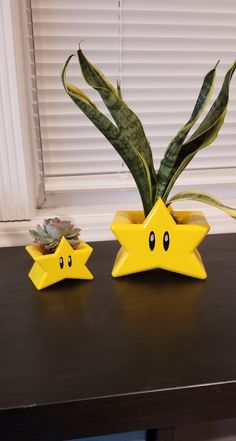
<point x="54" y="232"/>
<point x="93" y="75"/>
<point x="119" y="91"/>
<point x="125" y="119"/>
<point x="77" y="92"/>
<point x="206" y="133"/>
<point x="130" y="155"/>
<point x="73" y="233"/>
<point x="41" y="239"/>
<point x="189" y="157"/>
<point x="168" y="163"/>
<point x="216" y="109"/>
<point x="205" y="198"/>
<point x="51" y="245"/>
<point x="41" y="231"/>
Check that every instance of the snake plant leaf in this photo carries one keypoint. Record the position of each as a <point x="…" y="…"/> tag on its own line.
<point x="213" y="132"/>
<point x="168" y="163"/>
<point x="217" y="109"/>
<point x="205" y="198"/>
<point x="77" y="92"/>
<point x="206" y="133"/>
<point x="130" y="155"/>
<point x="119" y="90"/>
<point x="93" y="75"/>
<point x="125" y="119"/>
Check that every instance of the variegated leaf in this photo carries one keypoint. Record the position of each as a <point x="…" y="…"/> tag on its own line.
<point x="206" y="133"/>
<point x="168" y="163"/>
<point x="205" y="198"/>
<point x="126" y="120"/>
<point x="93" y="75"/>
<point x="119" y="91"/>
<point x="213" y="132"/>
<point x="130" y="155"/>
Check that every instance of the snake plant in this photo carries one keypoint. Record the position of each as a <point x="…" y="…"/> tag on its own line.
<point x="127" y="136"/>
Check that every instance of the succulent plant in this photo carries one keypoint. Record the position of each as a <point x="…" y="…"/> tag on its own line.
<point x="49" y="236"/>
<point x="127" y="135"/>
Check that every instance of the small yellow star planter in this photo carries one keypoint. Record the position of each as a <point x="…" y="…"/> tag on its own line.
<point x="162" y="240"/>
<point x="64" y="263"/>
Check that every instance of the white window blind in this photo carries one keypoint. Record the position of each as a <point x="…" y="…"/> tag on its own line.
<point x="160" y="51"/>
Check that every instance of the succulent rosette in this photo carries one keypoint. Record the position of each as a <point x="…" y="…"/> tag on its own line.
<point x="49" y="236"/>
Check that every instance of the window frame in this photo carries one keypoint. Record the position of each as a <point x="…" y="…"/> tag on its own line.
<point x="94" y="205"/>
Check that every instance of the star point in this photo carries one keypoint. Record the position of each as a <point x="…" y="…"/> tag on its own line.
<point x="159" y="241"/>
<point x="64" y="263"/>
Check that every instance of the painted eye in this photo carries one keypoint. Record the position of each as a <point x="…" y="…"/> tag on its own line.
<point x="152" y="240"/>
<point x="69" y="261"/>
<point x="61" y="262"/>
<point x="166" y="241"/>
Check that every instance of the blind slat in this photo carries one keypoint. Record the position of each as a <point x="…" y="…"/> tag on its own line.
<point x="204" y="59"/>
<point x="152" y="94"/>
<point x="160" y="50"/>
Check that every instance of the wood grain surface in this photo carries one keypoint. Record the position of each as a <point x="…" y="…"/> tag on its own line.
<point x="84" y="358"/>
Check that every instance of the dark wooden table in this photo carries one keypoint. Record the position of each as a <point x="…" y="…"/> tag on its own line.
<point x="84" y="358"/>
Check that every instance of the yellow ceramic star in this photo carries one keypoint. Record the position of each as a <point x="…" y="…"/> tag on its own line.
<point x="159" y="241"/>
<point x="64" y="263"/>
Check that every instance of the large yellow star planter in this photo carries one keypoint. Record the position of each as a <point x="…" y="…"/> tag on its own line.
<point x="64" y="263"/>
<point x="162" y="240"/>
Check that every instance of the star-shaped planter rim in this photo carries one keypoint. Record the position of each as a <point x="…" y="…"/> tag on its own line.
<point x="162" y="240"/>
<point x="64" y="263"/>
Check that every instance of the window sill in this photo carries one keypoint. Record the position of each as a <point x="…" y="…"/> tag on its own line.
<point x="95" y="221"/>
